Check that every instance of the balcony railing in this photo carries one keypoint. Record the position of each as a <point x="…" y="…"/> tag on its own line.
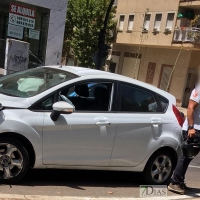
<point x="187" y="34"/>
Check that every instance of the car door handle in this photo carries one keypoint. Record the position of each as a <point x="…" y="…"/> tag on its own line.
<point x="103" y="123"/>
<point x="156" y="122"/>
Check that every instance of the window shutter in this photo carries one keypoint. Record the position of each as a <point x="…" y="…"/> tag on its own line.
<point x="130" y="22"/>
<point x="170" y="20"/>
<point x="147" y="21"/>
<point x="121" y="22"/>
<point x="158" y="21"/>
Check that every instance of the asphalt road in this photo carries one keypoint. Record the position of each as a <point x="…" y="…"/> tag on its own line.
<point x="89" y="183"/>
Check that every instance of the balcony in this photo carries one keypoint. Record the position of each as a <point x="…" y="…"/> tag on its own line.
<point x="187" y="35"/>
<point x="192" y="4"/>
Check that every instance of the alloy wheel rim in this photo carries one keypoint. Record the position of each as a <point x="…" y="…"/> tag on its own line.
<point x="11" y="161"/>
<point x="161" y="169"/>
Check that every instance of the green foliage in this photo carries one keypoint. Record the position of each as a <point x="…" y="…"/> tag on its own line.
<point x="83" y="23"/>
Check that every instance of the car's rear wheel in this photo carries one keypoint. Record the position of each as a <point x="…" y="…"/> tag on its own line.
<point x="159" y="168"/>
<point x="14" y="161"/>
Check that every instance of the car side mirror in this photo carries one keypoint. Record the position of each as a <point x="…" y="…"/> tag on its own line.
<point x="61" y="107"/>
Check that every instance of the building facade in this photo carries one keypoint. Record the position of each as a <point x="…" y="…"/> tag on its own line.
<point x="153" y="35"/>
<point x="45" y="34"/>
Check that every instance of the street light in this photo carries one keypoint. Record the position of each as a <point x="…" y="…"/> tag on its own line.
<point x="100" y="56"/>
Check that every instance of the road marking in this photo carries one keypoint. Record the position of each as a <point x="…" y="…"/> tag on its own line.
<point x="192" y="166"/>
<point x="38" y="197"/>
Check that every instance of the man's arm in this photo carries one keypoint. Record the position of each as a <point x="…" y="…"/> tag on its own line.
<point x="190" y="116"/>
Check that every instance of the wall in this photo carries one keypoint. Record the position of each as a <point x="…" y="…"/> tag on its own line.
<point x="138" y="8"/>
<point x="195" y="60"/>
<point x="161" y="56"/>
<point x="56" y="28"/>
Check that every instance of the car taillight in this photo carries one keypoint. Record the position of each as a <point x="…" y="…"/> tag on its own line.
<point x="178" y="115"/>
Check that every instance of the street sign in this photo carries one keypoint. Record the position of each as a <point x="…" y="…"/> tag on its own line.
<point x="22" y="16"/>
<point x="15" y="31"/>
<point x="34" y="34"/>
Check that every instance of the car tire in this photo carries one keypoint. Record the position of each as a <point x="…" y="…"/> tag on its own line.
<point x="159" y="168"/>
<point x="14" y="161"/>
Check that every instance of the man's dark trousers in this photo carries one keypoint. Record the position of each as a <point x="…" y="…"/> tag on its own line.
<point x="179" y="173"/>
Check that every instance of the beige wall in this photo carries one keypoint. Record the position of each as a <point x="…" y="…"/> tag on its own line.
<point x="195" y="60"/>
<point x="138" y="8"/>
<point x="131" y="67"/>
<point x="160" y="56"/>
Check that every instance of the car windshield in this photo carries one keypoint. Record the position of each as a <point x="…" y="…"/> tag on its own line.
<point x="33" y="81"/>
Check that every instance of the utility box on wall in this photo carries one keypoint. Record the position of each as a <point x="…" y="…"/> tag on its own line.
<point x="16" y="56"/>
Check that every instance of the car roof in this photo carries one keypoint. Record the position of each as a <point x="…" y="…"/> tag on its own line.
<point x="81" y="71"/>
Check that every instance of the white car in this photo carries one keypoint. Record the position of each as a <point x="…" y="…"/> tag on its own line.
<point x="79" y="118"/>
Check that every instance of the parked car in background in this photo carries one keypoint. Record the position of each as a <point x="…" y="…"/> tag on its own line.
<point x="79" y="118"/>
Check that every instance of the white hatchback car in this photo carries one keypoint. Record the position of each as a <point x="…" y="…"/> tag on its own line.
<point x="79" y="118"/>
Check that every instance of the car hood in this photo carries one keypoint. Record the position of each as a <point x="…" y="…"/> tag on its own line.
<point x="14" y="102"/>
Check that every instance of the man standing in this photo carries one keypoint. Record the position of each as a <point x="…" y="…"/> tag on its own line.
<point x="190" y="127"/>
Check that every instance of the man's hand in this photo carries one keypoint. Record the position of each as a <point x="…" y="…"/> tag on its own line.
<point x="191" y="133"/>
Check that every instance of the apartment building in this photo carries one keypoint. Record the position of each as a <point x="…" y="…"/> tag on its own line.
<point x="152" y="36"/>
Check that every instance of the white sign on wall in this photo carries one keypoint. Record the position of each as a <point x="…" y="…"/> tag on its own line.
<point x="17" y="56"/>
<point x="21" y="21"/>
<point x="22" y="16"/>
<point x="34" y="34"/>
<point x="15" y="31"/>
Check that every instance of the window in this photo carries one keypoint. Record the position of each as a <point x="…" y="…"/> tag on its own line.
<point x="147" y="21"/>
<point x="136" y="100"/>
<point x="46" y="104"/>
<point x="157" y="23"/>
<point x="90" y="96"/>
<point x="170" y="21"/>
<point x="130" y="22"/>
<point x="121" y="22"/>
<point x="164" y="103"/>
<point x="33" y="81"/>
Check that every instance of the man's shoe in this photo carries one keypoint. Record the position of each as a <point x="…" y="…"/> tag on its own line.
<point x="176" y="188"/>
<point x="184" y="186"/>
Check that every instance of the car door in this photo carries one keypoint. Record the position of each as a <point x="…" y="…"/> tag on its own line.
<point x="139" y="127"/>
<point x="85" y="137"/>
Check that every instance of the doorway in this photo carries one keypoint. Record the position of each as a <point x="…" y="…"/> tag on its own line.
<point x="166" y="71"/>
<point x="190" y="84"/>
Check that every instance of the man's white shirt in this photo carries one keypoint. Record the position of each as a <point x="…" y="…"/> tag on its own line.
<point x="195" y="96"/>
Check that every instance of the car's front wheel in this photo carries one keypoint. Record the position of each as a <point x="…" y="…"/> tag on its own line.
<point x="14" y="161"/>
<point x="159" y="168"/>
